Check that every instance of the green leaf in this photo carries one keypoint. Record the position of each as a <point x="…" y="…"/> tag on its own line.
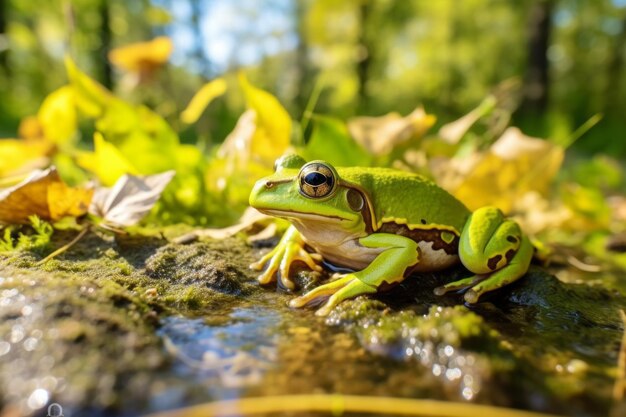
<point x="91" y="97"/>
<point x="106" y="161"/>
<point x="331" y="142"/>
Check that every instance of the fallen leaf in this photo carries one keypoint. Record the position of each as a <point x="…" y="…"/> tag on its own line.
<point x="252" y="221"/>
<point x="45" y="195"/>
<point x="514" y="165"/>
<point x="64" y="201"/>
<point x="380" y="135"/>
<point x="142" y="57"/>
<point x="453" y="132"/>
<point x="130" y="199"/>
<point x="202" y="99"/>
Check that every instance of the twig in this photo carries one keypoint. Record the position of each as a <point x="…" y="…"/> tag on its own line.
<point x="65" y="247"/>
<point x="312" y="102"/>
<point x="340" y="404"/>
<point x="577" y="263"/>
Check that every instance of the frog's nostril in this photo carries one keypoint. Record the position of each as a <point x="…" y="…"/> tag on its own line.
<point x="269" y="184"/>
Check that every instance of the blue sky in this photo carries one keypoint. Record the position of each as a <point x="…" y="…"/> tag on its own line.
<point x="234" y="32"/>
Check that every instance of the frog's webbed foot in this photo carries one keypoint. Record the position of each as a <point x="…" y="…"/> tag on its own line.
<point x="460" y="285"/>
<point x="494" y="249"/>
<point x="346" y="286"/>
<point x="278" y="261"/>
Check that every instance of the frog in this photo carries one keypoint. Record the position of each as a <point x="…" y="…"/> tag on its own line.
<point x="379" y="226"/>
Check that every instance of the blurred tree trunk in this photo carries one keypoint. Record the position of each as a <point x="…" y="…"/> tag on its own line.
<point x="616" y="71"/>
<point x="537" y="81"/>
<point x="304" y="72"/>
<point x="198" y="50"/>
<point x="365" y="51"/>
<point x="3" y="29"/>
<point x="105" y="38"/>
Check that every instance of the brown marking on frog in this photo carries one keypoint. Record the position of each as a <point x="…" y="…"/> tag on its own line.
<point x="423" y="235"/>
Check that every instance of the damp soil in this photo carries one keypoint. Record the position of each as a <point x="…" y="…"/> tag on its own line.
<point x="136" y="324"/>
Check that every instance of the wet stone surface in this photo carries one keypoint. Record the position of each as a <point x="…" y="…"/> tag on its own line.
<point x="134" y="325"/>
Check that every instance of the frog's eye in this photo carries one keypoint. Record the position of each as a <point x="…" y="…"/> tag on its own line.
<point x="317" y="180"/>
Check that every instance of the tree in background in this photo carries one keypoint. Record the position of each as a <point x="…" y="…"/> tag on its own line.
<point x="370" y="57"/>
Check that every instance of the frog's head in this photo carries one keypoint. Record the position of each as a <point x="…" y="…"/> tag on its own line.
<point x="311" y="192"/>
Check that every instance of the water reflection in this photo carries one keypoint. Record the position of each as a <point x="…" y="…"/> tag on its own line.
<point x="226" y="356"/>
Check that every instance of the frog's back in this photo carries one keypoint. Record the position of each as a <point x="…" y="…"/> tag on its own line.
<point x="405" y="198"/>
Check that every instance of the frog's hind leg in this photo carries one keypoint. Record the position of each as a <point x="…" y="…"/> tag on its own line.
<point x="514" y="270"/>
<point x="493" y="248"/>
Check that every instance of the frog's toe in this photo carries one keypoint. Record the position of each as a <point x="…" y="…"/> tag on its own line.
<point x="286" y="282"/>
<point x="269" y="274"/>
<point x="471" y="297"/>
<point x="316" y="257"/>
<point x="322" y="291"/>
<point x="260" y="264"/>
<point x="459" y="285"/>
<point x="353" y="288"/>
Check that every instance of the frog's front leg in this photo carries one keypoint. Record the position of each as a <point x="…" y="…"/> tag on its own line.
<point x="289" y="250"/>
<point x="493" y="248"/>
<point x="398" y="257"/>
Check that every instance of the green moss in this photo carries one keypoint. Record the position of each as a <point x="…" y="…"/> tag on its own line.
<point x="101" y="304"/>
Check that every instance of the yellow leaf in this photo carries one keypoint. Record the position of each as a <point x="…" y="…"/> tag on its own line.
<point x="142" y="57"/>
<point x="90" y="97"/>
<point x="57" y="115"/>
<point x="19" y="156"/>
<point x="273" y="125"/>
<point x="380" y="135"/>
<point x="202" y="99"/>
<point x="515" y="165"/>
<point x="30" y="128"/>
<point x="107" y="162"/>
<point x="45" y="195"/>
<point x="66" y="201"/>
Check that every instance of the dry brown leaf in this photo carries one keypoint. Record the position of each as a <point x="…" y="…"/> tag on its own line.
<point x="515" y="165"/>
<point x="130" y="199"/>
<point x="45" y="195"/>
<point x="380" y="135"/>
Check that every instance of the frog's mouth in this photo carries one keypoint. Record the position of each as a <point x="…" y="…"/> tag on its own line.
<point x="329" y="218"/>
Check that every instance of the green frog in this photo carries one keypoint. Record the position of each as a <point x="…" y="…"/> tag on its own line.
<point x="382" y="225"/>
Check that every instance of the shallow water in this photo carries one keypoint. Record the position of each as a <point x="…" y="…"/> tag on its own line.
<point x="225" y="354"/>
